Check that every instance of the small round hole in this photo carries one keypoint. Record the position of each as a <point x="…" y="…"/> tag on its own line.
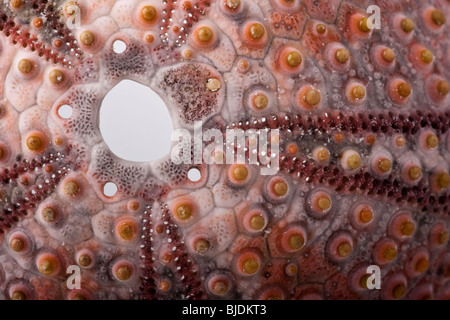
<point x="194" y="174"/>
<point x="65" y="111"/>
<point x="119" y="46"/>
<point x="110" y="189"/>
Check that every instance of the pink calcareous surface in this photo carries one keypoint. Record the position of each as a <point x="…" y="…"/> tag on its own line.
<point x="364" y="150"/>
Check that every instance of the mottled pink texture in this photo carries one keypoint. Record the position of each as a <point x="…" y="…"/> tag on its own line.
<point x="364" y="150"/>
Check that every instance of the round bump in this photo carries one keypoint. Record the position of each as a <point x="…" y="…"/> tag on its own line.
<point x="292" y="148"/>
<point x="126" y="229"/>
<point x="239" y="175"/>
<point x="290" y="60"/>
<point x="255" y="34"/>
<point x="232" y="8"/>
<point x="15" y="4"/>
<point x="319" y="203"/>
<point x="370" y="139"/>
<point x="407" y="25"/>
<point x="72" y="188"/>
<point x="50" y="214"/>
<point x="149" y="38"/>
<point x="340" y="247"/>
<point x="213" y="84"/>
<point x="404" y="89"/>
<point x="308" y="98"/>
<point x="248" y="262"/>
<point x="166" y="257"/>
<point x="426" y="56"/>
<point x="381" y="162"/>
<point x="439" y="235"/>
<point x="321" y="154"/>
<point x="385" y="165"/>
<point x="312" y="97"/>
<point x="255" y="220"/>
<point x="219" y="283"/>
<point x="204" y="36"/>
<point x="232" y="4"/>
<point x="20" y="242"/>
<point x="350" y="160"/>
<point x="35" y="142"/>
<point x="398" y="90"/>
<point x="18" y="295"/>
<point x="338" y="57"/>
<point x="411" y="173"/>
<point x="399" y="141"/>
<point x="421" y="57"/>
<point x="382" y="165"/>
<point x="428" y="140"/>
<point x="243" y="65"/>
<point x="148" y="14"/>
<point x="321" y="28"/>
<point x="56" y="77"/>
<point x="358" y="278"/>
<point x="363" y="26"/>
<point x="443" y="180"/>
<point x="123" y="270"/>
<point x="355" y="93"/>
<point x="277" y="189"/>
<point x="388" y="55"/>
<point x="292" y="240"/>
<point x="362" y="216"/>
<point x="25" y="66"/>
<point x="280" y="188"/>
<point x="395" y="287"/>
<point x="418" y="262"/>
<point x="438" y="17"/>
<point x="183" y="211"/>
<point x="37" y="23"/>
<point x="16" y="244"/>
<point x="20" y="290"/>
<point x="256" y="31"/>
<point x="293" y="59"/>
<point x="259" y="101"/>
<point x="48" y="264"/>
<point x="443" y="88"/>
<point x="291" y="269"/>
<point x="85" y="258"/>
<point x="358" y="92"/>
<point x="164" y="285"/>
<point x="401" y="226"/>
<point x="385" y="251"/>
<point x="202" y="246"/>
<point x="87" y="38"/>
<point x="342" y="55"/>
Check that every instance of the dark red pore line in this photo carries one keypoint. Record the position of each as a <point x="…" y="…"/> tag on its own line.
<point x="186" y="272"/>
<point x="54" y="165"/>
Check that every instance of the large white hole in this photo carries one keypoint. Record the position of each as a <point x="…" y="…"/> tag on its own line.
<point x="119" y="46"/>
<point x="135" y="122"/>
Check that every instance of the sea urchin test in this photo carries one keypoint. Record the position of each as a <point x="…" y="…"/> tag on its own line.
<point x="352" y="97"/>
